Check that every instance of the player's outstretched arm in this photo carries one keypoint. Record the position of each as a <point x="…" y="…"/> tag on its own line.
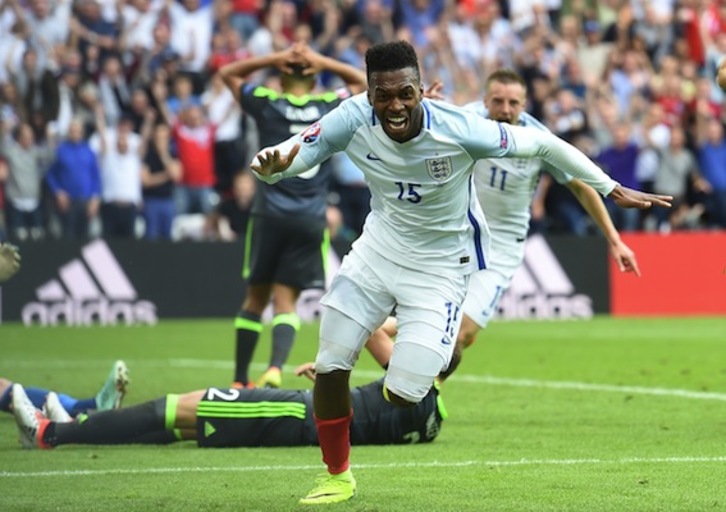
<point x="594" y="206"/>
<point x="629" y="198"/>
<point x="9" y="261"/>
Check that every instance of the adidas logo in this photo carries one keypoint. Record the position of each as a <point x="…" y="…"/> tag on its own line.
<point x="90" y="290"/>
<point x="540" y="288"/>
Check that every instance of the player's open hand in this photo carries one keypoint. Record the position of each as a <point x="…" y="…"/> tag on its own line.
<point x="629" y="198"/>
<point x="9" y="261"/>
<point x="625" y="258"/>
<point x="269" y="162"/>
<point x="306" y="370"/>
<point x="434" y="91"/>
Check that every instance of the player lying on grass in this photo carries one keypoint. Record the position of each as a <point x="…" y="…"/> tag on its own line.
<point x="506" y="189"/>
<point x="223" y="418"/>
<point x="9" y="261"/>
<point x="108" y="397"/>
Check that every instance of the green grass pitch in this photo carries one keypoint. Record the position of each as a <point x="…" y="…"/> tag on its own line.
<point x="600" y="415"/>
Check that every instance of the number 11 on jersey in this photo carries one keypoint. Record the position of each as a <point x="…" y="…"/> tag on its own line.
<point x="502" y="177"/>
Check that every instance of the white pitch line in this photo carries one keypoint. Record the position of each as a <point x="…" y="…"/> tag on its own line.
<point x="369" y="374"/>
<point x="419" y="465"/>
<point x="584" y="386"/>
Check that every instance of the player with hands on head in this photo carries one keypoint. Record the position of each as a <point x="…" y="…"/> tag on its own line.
<point x="423" y="238"/>
<point x="286" y="235"/>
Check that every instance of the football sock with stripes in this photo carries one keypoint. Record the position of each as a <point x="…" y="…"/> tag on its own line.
<point x="334" y="439"/>
<point x="248" y="326"/>
<point x="115" y="426"/>
<point x="284" y="329"/>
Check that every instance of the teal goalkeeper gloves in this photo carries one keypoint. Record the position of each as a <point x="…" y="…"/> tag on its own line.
<point x="9" y="261"/>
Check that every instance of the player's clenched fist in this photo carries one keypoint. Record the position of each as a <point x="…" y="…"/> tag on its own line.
<point x="9" y="261"/>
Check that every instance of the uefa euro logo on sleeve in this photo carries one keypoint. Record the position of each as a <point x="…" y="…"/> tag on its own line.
<point x="311" y="133"/>
<point x="439" y="168"/>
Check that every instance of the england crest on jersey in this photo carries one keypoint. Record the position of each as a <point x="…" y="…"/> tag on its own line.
<point x="439" y="168"/>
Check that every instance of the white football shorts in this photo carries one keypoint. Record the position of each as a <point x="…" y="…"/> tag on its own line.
<point x="428" y="308"/>
<point x="486" y="288"/>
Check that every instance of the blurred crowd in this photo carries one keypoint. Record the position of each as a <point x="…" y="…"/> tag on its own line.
<point x="115" y="122"/>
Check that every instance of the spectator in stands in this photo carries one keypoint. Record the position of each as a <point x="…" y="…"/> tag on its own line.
<point x="10" y="111"/>
<point x="34" y="82"/>
<point x="96" y="36"/>
<point x="230" y="218"/>
<point x="678" y="168"/>
<point x="566" y="116"/>
<point x="191" y="37"/>
<point x="120" y="152"/>
<point x="25" y="163"/>
<point x="194" y="138"/>
<point x="138" y="19"/>
<point x="14" y="40"/>
<point x="74" y="179"/>
<point x="139" y="108"/>
<point x="619" y="161"/>
<point x="227" y="47"/>
<point x="48" y="22"/>
<point x="376" y="23"/>
<point x="114" y="92"/>
<point x="182" y="95"/>
<point x="628" y="74"/>
<point x="69" y="86"/>
<point x="224" y="113"/>
<point x="244" y="17"/>
<point x="160" y="53"/>
<point x="159" y="175"/>
<point x="712" y="159"/>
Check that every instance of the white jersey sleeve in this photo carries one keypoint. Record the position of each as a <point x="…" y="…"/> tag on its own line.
<point x="319" y="141"/>
<point x="490" y="139"/>
<point x="532" y="143"/>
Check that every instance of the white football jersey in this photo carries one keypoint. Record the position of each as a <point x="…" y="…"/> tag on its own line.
<point x="505" y="188"/>
<point x="424" y="214"/>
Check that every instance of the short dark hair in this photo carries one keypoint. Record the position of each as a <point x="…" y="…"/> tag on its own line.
<point x="391" y="57"/>
<point x="506" y="76"/>
<point x="297" y="74"/>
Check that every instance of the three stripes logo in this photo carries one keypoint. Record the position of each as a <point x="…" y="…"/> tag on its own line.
<point x="540" y="288"/>
<point x="89" y="290"/>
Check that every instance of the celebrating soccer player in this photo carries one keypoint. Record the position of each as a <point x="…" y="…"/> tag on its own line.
<point x="423" y="238"/>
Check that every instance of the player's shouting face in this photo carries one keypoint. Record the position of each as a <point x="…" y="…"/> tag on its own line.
<point x="505" y="101"/>
<point x="396" y="99"/>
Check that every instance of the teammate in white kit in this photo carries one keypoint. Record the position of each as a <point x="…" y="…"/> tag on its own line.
<point x="424" y="236"/>
<point x="505" y="188"/>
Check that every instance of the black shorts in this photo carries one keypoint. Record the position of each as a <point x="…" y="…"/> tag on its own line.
<point x="228" y="418"/>
<point x="289" y="251"/>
